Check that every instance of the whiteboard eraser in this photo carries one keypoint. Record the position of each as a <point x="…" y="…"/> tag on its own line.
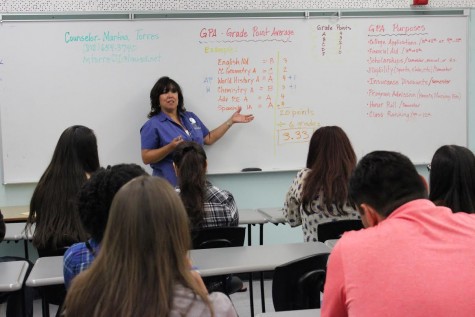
<point x="251" y="169"/>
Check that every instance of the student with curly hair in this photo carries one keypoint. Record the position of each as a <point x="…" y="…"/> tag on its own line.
<point x="95" y="199"/>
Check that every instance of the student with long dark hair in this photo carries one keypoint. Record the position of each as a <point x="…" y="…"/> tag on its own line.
<point x="207" y="205"/>
<point x="143" y="267"/>
<point x="53" y="207"/>
<point x="319" y="192"/>
<point x="452" y="178"/>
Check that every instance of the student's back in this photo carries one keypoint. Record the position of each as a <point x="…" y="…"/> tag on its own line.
<point x="421" y="266"/>
<point x="207" y="205"/>
<point x="319" y="192"/>
<point x="94" y="201"/>
<point x="53" y="207"/>
<point x="414" y="258"/>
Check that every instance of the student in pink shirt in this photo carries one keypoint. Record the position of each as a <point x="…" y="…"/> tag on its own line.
<point x="413" y="259"/>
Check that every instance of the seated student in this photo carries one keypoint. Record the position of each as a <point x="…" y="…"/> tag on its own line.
<point x="319" y="192"/>
<point x="15" y="299"/>
<point x="452" y="178"/>
<point x="143" y="269"/>
<point x="94" y="202"/>
<point x="53" y="206"/>
<point x="207" y="205"/>
<point x="413" y="259"/>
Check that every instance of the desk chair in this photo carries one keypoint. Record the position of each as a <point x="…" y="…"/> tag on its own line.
<point x="334" y="229"/>
<point x="14" y="272"/>
<point x="55" y="294"/>
<point x="297" y="284"/>
<point x="220" y="237"/>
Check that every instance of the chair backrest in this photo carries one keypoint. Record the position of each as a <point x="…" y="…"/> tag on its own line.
<point x="334" y="229"/>
<point x="218" y="237"/>
<point x="49" y="252"/>
<point x="297" y="284"/>
<point x="309" y="286"/>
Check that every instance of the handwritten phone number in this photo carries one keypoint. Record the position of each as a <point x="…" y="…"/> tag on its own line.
<point x="117" y="48"/>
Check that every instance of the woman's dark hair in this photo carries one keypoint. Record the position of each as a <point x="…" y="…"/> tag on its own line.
<point x="163" y="86"/>
<point x="53" y="205"/>
<point x="95" y="197"/>
<point x="452" y="178"/>
<point x="190" y="163"/>
<point x="331" y="160"/>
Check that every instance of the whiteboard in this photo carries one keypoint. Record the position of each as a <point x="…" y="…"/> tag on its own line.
<point x="392" y="83"/>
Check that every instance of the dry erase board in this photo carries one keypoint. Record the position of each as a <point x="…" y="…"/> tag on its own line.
<point x="393" y="83"/>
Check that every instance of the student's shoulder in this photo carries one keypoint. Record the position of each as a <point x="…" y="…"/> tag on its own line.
<point x="74" y="250"/>
<point x="221" y="303"/>
<point x="217" y="194"/>
<point x="355" y="238"/>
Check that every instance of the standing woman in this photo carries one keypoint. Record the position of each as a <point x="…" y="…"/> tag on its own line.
<point x="207" y="205"/>
<point x="452" y="178"/>
<point x="53" y="207"/>
<point x="319" y="192"/>
<point x="144" y="270"/>
<point x="170" y="124"/>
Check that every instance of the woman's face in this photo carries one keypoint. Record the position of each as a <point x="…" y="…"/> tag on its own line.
<point x="169" y="101"/>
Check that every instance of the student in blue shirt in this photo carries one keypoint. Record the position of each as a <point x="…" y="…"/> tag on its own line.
<point x="170" y="124"/>
<point x="95" y="199"/>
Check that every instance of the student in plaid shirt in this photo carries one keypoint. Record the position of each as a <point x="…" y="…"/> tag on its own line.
<point x="207" y="205"/>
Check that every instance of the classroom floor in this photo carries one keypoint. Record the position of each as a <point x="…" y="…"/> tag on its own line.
<point x="240" y="300"/>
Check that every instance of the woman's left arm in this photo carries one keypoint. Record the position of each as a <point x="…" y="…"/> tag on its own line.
<point x="217" y="133"/>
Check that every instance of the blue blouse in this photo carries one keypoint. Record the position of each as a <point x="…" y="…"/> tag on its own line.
<point x="160" y="130"/>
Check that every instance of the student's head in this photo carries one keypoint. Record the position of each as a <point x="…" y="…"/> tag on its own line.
<point x="53" y="204"/>
<point x="452" y="178"/>
<point x="190" y="164"/>
<point x="76" y="147"/>
<point x="382" y="182"/>
<point x="143" y="255"/>
<point x="162" y="86"/>
<point x="330" y="144"/>
<point x="331" y="159"/>
<point x="95" y="197"/>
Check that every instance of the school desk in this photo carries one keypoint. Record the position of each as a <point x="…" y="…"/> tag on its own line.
<point x="293" y="313"/>
<point x="15" y="213"/>
<point x="274" y="215"/>
<point x="259" y="258"/>
<point x="13" y="275"/>
<point x="15" y="231"/>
